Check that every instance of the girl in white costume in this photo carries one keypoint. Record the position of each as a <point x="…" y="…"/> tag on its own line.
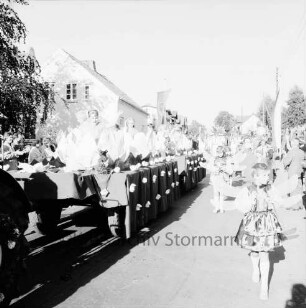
<point x="79" y="149"/>
<point x="129" y="133"/>
<point x="219" y="178"/>
<point x="112" y="141"/>
<point x="151" y="137"/>
<point x="161" y="140"/>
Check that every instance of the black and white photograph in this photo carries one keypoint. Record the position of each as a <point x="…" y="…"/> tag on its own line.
<point x="152" y="153"/>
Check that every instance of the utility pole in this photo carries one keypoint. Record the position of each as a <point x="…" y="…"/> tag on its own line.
<point x="276" y="115"/>
<point x="277" y="84"/>
<point x="241" y="119"/>
<point x="263" y="110"/>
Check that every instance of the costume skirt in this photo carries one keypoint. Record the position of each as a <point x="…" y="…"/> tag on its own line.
<point x="259" y="231"/>
<point x="219" y="181"/>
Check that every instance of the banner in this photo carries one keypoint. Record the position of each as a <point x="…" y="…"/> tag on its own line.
<point x="277" y="124"/>
<point x="162" y="98"/>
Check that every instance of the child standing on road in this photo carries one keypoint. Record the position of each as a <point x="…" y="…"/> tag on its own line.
<point x="259" y="231"/>
<point x="220" y="177"/>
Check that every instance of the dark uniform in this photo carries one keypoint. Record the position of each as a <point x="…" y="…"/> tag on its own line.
<point x="14" y="209"/>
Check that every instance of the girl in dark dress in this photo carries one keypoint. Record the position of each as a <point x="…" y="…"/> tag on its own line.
<point x="260" y="231"/>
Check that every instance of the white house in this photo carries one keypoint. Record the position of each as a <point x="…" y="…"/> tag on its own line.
<point x="250" y="124"/>
<point x="79" y="88"/>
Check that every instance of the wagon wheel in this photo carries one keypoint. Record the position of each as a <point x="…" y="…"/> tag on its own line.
<point x="5" y="298"/>
<point x="1" y="256"/>
<point x="115" y="221"/>
<point x="2" y="302"/>
<point x="48" y="218"/>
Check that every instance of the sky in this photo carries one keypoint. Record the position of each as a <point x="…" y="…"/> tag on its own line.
<point x="214" y="55"/>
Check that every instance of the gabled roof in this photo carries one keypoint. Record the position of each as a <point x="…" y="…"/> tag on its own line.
<point x="242" y="119"/>
<point x="149" y="105"/>
<point x="107" y="83"/>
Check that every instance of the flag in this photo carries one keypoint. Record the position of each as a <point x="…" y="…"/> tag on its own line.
<point x="277" y="123"/>
<point x="162" y="98"/>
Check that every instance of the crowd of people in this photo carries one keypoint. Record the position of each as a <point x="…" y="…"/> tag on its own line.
<point x="15" y="151"/>
<point x="93" y="145"/>
<point x="236" y="155"/>
<point x="272" y="178"/>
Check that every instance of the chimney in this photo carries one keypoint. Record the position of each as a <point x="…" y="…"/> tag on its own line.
<point x="90" y="63"/>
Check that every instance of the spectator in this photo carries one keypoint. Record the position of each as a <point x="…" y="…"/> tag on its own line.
<point x="15" y="143"/>
<point x="10" y="156"/>
<point x="36" y="154"/>
<point x="287" y="138"/>
<point x="293" y="161"/>
<point x="48" y="148"/>
<point x="19" y="148"/>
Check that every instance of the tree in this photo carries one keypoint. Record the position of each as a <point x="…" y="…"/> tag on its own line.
<point x="225" y="120"/>
<point x="22" y="92"/>
<point x="216" y="130"/>
<point x="265" y="110"/>
<point x="295" y="114"/>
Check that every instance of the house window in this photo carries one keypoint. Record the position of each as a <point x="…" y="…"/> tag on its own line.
<point x="71" y="91"/>
<point x="86" y="91"/>
<point x="51" y="85"/>
<point x="121" y="121"/>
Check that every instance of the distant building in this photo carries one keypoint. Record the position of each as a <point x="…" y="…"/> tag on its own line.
<point x="79" y="87"/>
<point x="171" y="116"/>
<point x="247" y="124"/>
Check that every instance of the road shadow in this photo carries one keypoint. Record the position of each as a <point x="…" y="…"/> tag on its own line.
<point x="278" y="254"/>
<point x="239" y="182"/>
<point x="54" y="277"/>
<point x="275" y="256"/>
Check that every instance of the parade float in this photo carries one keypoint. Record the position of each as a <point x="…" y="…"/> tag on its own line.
<point x="127" y="177"/>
